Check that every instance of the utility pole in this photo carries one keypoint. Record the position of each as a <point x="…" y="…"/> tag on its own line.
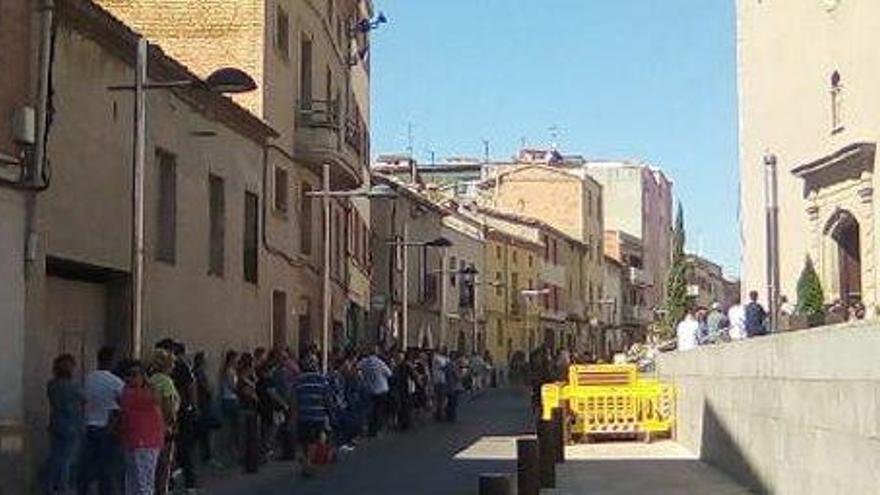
<point x="772" y="241"/>
<point x="405" y="286"/>
<point x="328" y="300"/>
<point x="137" y="196"/>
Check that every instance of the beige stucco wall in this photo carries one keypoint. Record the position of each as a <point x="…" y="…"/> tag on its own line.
<point x="638" y="201"/>
<point x="780" y="62"/>
<point x="468" y="247"/>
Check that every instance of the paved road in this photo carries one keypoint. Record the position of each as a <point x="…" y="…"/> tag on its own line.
<point x="446" y="459"/>
<point x="434" y="459"/>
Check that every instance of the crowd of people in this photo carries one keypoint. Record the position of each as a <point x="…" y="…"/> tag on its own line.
<point x="141" y="427"/>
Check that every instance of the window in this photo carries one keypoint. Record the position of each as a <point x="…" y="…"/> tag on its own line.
<point x="498" y="287"/>
<point x="498" y="252"/>
<point x="531" y="261"/>
<point x="279" y="318"/>
<point x="217" y="226"/>
<point x="305" y="229"/>
<point x="305" y="73"/>
<point x="513" y="255"/>
<point x="499" y="333"/>
<point x="452" y="265"/>
<point x="589" y="203"/>
<point x="166" y="232"/>
<point x="251" y="234"/>
<point x="281" y="189"/>
<point x="282" y="32"/>
<point x="836" y="103"/>
<point x="555" y="252"/>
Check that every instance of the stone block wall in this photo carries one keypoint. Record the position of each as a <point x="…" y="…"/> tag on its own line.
<point x="791" y="413"/>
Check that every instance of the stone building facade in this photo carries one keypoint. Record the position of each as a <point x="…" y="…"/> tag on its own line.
<point x="462" y="284"/>
<point x="824" y="147"/>
<point x="409" y="217"/>
<point x="638" y="201"/>
<point x="16" y="93"/>
<point x="568" y="202"/>
<point x="513" y="322"/>
<point x="205" y="267"/>
<point x="312" y="69"/>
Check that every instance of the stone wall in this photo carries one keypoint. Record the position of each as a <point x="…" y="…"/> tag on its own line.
<point x="791" y="413"/>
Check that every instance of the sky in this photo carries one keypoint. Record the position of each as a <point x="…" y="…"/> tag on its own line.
<point x="647" y="80"/>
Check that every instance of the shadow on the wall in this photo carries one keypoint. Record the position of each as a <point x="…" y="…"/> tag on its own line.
<point x="722" y="451"/>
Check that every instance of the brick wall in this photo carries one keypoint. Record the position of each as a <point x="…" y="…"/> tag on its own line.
<point x="203" y="34"/>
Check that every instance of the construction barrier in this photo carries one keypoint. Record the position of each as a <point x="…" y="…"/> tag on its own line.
<point x="611" y="399"/>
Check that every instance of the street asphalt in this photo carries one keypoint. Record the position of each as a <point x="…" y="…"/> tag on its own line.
<point x="432" y="459"/>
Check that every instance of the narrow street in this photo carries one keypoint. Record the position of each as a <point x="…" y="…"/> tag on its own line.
<point x="444" y="459"/>
<point x="432" y="459"/>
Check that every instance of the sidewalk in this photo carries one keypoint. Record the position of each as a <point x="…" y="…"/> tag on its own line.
<point x="619" y="468"/>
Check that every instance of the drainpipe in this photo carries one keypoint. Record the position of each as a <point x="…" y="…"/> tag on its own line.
<point x="47" y="14"/>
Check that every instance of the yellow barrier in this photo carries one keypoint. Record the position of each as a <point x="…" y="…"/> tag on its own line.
<point x="611" y="399"/>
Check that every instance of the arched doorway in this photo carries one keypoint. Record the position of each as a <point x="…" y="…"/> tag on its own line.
<point x="844" y="230"/>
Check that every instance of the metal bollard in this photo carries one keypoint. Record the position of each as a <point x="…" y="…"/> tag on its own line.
<point x="558" y="432"/>
<point x="527" y="480"/>
<point x="546" y="454"/>
<point x="496" y="484"/>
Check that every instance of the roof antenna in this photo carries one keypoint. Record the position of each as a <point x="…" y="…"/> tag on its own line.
<point x="554" y="138"/>
<point x="486" y="151"/>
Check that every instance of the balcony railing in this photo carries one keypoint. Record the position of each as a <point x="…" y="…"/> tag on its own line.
<point x="319" y="113"/>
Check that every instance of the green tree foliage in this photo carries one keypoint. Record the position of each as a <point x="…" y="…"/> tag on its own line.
<point x="809" y="291"/>
<point x="676" y="287"/>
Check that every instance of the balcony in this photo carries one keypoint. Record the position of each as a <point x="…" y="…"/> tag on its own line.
<point x="324" y="136"/>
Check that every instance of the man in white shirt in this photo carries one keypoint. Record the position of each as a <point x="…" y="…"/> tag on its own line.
<point x="737" y="317"/>
<point x="375" y="374"/>
<point x="101" y="452"/>
<point x="686" y="332"/>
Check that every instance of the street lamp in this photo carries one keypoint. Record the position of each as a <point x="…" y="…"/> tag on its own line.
<point x="440" y="242"/>
<point x="376" y="192"/>
<point x="772" y="213"/>
<point x="227" y="80"/>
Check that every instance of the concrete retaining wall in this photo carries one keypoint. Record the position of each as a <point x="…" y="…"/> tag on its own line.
<point x="790" y="413"/>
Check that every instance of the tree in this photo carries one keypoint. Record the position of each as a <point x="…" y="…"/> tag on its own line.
<point x="676" y="287"/>
<point x="811" y="301"/>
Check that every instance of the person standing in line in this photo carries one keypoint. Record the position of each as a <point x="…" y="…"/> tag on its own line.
<point x="439" y="362"/>
<point x="736" y="315"/>
<point x="454" y="386"/>
<point x="786" y="308"/>
<point x="314" y="397"/>
<point x="65" y="424"/>
<point x="404" y="389"/>
<point x="161" y="366"/>
<point x="686" y="332"/>
<point x="250" y="418"/>
<point x="99" y="457"/>
<point x="187" y="416"/>
<point x="718" y="325"/>
<point x="229" y="407"/>
<point x="376" y="374"/>
<point x="209" y="416"/>
<point x="756" y="317"/>
<point x="142" y="432"/>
